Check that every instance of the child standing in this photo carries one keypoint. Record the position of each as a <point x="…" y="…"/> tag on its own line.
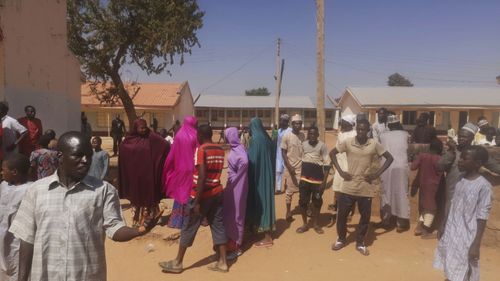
<point x="15" y="170"/>
<point x="429" y="179"/>
<point x="100" y="160"/>
<point x="460" y="239"/>
<point x="315" y="166"/>
<point x="205" y="202"/>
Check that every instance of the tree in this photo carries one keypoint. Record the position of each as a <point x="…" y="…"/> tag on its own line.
<point x="258" y="92"/>
<point x="105" y="35"/>
<point x="397" y="79"/>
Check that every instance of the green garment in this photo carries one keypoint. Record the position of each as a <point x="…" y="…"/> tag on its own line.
<point x="261" y="215"/>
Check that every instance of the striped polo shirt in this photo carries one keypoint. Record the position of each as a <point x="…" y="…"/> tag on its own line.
<point x="212" y="156"/>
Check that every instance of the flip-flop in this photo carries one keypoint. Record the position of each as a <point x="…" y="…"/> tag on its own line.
<point x="261" y="244"/>
<point x="168" y="267"/>
<point x="302" y="229"/>
<point x="215" y="267"/>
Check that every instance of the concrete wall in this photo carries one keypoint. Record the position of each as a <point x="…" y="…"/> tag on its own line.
<point x="349" y="105"/>
<point x="36" y="65"/>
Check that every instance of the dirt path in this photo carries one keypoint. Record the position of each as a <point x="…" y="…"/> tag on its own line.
<point x="294" y="256"/>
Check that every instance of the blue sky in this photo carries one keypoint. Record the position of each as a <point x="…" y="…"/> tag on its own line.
<point x="446" y="43"/>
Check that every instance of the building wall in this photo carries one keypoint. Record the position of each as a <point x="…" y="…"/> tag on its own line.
<point x="349" y="106"/>
<point x="100" y="118"/>
<point x="37" y="66"/>
<point x="237" y="117"/>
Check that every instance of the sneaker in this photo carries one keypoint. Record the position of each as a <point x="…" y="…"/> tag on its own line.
<point x="338" y="245"/>
<point x="362" y="249"/>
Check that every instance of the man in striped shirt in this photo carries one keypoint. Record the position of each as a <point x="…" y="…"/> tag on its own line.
<point x="205" y="202"/>
<point x="315" y="166"/>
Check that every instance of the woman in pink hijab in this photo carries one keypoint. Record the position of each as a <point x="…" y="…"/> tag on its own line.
<point x="179" y="168"/>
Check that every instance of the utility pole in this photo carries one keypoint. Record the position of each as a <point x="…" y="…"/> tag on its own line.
<point x="277" y="77"/>
<point x="320" y="68"/>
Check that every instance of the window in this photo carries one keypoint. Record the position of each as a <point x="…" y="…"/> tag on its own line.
<point x="102" y="119"/>
<point x="267" y="113"/>
<point x="245" y="113"/>
<point x="329" y="114"/>
<point x="310" y="114"/>
<point x="229" y="114"/>
<point x="432" y="117"/>
<point x="494" y="118"/>
<point x="409" y="117"/>
<point x="463" y="117"/>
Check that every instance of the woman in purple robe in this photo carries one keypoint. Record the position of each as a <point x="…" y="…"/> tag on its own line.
<point x="178" y="170"/>
<point x="235" y="193"/>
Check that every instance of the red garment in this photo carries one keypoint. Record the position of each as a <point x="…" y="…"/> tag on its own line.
<point x="429" y="179"/>
<point x="30" y="142"/>
<point x="140" y="166"/>
<point x="212" y="156"/>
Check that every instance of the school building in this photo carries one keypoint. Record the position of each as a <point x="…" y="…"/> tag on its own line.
<point x="167" y="102"/>
<point x="237" y="111"/>
<point x="448" y="107"/>
<point x="36" y="66"/>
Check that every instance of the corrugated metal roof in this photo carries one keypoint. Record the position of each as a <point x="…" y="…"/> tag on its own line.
<point x="413" y="96"/>
<point x="215" y="101"/>
<point x="149" y="95"/>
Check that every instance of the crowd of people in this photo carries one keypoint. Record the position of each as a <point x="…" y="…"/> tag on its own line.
<point x="57" y="208"/>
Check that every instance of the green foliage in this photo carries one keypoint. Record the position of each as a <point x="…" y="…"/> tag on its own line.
<point x="399" y="80"/>
<point x="152" y="34"/>
<point x="263" y="91"/>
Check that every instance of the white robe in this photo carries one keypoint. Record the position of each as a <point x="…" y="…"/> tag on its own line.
<point x="471" y="201"/>
<point x="394" y="192"/>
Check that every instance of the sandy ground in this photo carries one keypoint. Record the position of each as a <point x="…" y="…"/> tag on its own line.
<point x="307" y="256"/>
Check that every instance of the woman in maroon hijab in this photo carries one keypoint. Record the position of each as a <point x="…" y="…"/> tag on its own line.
<point x="140" y="166"/>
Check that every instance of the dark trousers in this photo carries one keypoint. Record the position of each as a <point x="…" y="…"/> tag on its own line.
<point x="117" y="140"/>
<point x="345" y="203"/>
<point x="210" y="208"/>
<point x="310" y="192"/>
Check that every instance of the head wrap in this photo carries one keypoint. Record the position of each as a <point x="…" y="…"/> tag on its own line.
<point x="285" y="117"/>
<point x="482" y="122"/>
<point x="296" y="118"/>
<point x="391" y="119"/>
<point x="351" y="119"/>
<point x="471" y="128"/>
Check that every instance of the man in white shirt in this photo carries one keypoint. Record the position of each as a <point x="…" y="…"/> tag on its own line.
<point x="380" y="127"/>
<point x="11" y="129"/>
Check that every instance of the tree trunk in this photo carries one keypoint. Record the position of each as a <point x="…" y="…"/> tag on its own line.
<point x="127" y="102"/>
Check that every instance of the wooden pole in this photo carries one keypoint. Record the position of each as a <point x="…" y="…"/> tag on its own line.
<point x="320" y="67"/>
<point x="277" y="77"/>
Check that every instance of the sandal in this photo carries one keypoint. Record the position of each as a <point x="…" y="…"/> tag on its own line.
<point x="215" y="267"/>
<point x="338" y="245"/>
<point x="302" y="229"/>
<point x="262" y="244"/>
<point x="169" y="267"/>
